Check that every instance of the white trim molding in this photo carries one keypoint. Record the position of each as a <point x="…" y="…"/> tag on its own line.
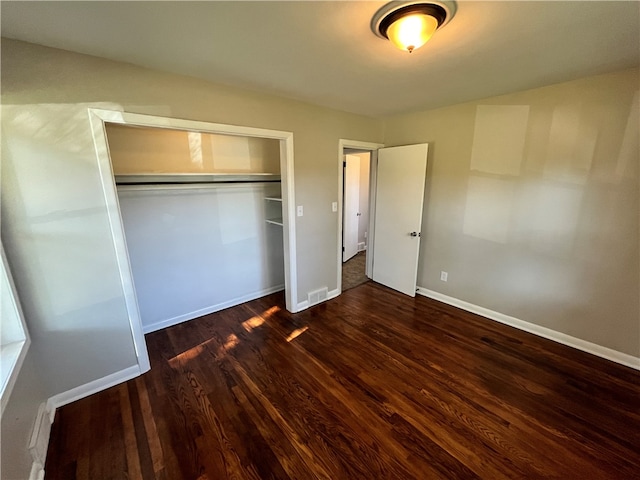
<point x="592" y="348"/>
<point x="92" y="387"/>
<point x="333" y="294"/>
<point x="39" y="441"/>
<point x="287" y="193"/>
<point x="211" y="309"/>
<point x="99" y="117"/>
<point x="12" y="353"/>
<point x="305" y="304"/>
<point x="37" y="471"/>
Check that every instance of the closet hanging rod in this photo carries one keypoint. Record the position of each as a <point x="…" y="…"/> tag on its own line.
<point x="197" y="178"/>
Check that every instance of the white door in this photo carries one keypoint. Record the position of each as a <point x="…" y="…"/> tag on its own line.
<point x="398" y="217"/>
<point x="351" y="206"/>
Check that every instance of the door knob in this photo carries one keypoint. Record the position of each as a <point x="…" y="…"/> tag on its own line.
<point x="414" y="234"/>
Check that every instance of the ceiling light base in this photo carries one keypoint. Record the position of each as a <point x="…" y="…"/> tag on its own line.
<point x="441" y="11"/>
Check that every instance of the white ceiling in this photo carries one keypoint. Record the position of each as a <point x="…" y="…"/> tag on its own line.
<point x="325" y="53"/>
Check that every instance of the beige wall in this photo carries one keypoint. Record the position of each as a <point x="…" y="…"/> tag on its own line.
<point x="55" y="227"/>
<point x="532" y="205"/>
<point x="154" y="150"/>
<point x="532" y="202"/>
<point x="50" y="85"/>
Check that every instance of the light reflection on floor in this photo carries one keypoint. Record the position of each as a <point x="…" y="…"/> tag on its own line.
<point x="296" y="333"/>
<point x="232" y="340"/>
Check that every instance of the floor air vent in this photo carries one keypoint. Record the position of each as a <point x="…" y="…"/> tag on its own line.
<point x="318" y="296"/>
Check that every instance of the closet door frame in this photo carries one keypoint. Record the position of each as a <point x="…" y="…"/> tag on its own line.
<point x="98" y="118"/>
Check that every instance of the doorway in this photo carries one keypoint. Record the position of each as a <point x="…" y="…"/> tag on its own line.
<point x="355" y="216"/>
<point x="397" y="178"/>
<point x="356" y="209"/>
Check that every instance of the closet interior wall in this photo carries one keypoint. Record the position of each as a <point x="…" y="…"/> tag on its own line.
<point x="202" y="216"/>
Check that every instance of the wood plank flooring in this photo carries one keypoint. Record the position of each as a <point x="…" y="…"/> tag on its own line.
<point x="371" y="385"/>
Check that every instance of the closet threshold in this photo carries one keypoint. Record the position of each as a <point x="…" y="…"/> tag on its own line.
<point x="194" y="178"/>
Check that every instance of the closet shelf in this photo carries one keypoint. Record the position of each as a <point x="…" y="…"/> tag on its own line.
<point x="180" y="178"/>
<point x="275" y="221"/>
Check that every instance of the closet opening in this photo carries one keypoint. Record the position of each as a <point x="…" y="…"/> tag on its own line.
<point x="201" y="215"/>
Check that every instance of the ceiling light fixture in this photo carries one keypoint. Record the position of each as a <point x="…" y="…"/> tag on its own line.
<point x="409" y="25"/>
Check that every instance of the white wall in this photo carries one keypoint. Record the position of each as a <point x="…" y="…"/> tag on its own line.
<point x="196" y="249"/>
<point x="532" y="205"/>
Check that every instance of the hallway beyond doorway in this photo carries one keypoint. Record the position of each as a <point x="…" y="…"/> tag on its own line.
<point x="353" y="271"/>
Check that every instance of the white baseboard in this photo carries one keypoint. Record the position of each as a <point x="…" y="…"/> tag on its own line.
<point x="37" y="471"/>
<point x="302" y="306"/>
<point x="207" y="310"/>
<point x="598" y="350"/>
<point x="305" y="304"/>
<point x="39" y="441"/>
<point x="333" y="294"/>
<point x="90" y="388"/>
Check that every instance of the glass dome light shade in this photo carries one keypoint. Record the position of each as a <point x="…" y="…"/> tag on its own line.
<point x="412" y="31"/>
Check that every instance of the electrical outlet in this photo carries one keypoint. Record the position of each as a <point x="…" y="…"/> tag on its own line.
<point x="334" y="207"/>
<point x="444" y="276"/>
<point x="300" y="210"/>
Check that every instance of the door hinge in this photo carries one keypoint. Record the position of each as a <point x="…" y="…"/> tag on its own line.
<point x="344" y="164"/>
<point x="343" y="249"/>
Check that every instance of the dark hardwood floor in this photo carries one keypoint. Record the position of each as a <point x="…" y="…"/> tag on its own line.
<point x="371" y="385"/>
